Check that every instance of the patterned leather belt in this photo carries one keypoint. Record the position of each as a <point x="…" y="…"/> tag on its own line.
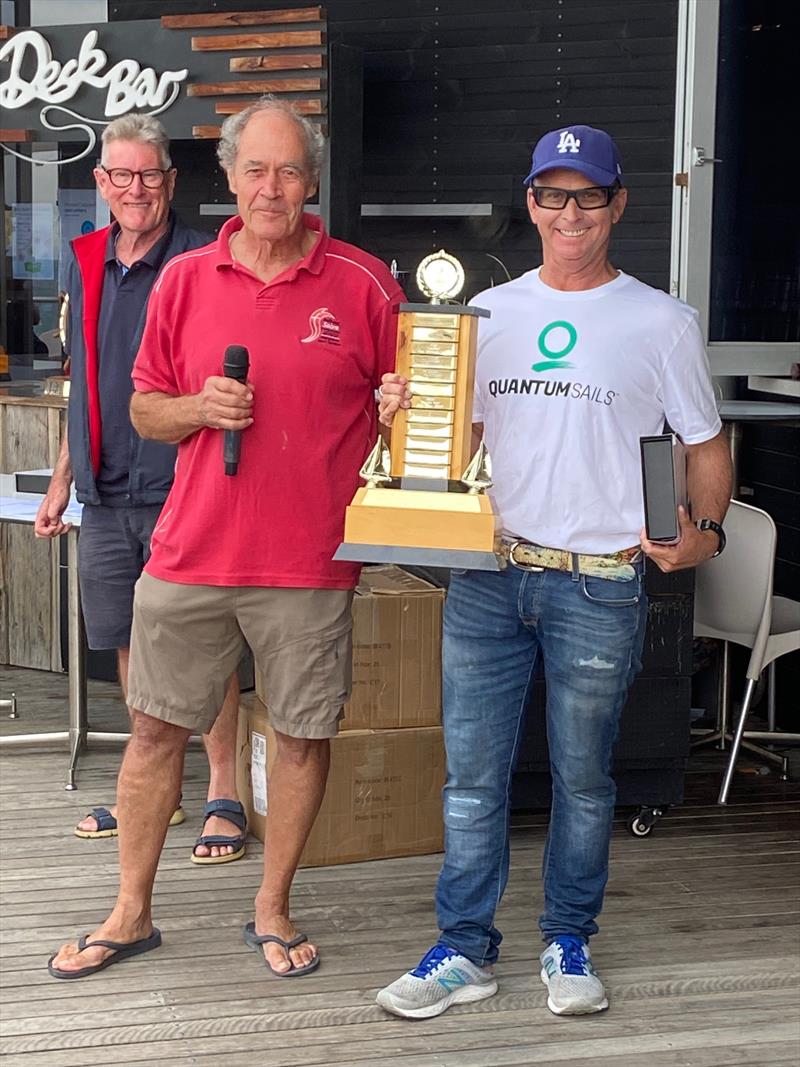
<point x="618" y="566"/>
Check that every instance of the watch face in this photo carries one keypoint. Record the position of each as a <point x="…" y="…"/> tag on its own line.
<point x="440" y="276"/>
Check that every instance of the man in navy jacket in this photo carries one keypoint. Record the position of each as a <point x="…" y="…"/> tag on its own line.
<point x="120" y="479"/>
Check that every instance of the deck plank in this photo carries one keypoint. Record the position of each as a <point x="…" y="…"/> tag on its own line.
<point x="699" y="948"/>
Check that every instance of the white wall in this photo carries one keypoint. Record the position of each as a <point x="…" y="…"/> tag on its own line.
<point x="68" y="12"/>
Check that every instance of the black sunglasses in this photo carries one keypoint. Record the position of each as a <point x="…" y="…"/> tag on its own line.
<point x="589" y="199"/>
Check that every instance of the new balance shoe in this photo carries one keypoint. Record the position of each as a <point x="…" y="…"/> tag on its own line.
<point x="572" y="983"/>
<point x="443" y="977"/>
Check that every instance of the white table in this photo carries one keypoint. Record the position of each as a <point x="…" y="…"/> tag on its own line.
<point x="22" y="508"/>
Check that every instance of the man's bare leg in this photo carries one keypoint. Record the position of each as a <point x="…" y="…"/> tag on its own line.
<point x="220" y="745"/>
<point x="147" y="793"/>
<point x="296" y="788"/>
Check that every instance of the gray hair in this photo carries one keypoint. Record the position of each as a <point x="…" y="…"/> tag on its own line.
<point x="136" y="127"/>
<point x="232" y="127"/>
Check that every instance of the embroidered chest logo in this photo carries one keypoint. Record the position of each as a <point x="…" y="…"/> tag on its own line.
<point x="556" y="341"/>
<point x="322" y="326"/>
<point x="568" y="142"/>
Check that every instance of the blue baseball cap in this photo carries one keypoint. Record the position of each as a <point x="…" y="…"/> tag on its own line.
<point x="591" y="152"/>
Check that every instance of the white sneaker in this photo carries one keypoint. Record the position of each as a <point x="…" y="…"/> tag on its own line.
<point x="572" y="982"/>
<point x="443" y="977"/>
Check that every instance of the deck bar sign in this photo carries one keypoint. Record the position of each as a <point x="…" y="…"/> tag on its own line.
<point x="35" y="76"/>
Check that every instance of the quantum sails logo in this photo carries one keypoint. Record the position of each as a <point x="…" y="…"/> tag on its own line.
<point x="556" y="341"/>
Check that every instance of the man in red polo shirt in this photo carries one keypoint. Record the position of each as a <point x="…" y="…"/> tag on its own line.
<point x="249" y="558"/>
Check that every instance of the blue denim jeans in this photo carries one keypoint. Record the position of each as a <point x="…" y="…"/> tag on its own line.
<point x="590" y="633"/>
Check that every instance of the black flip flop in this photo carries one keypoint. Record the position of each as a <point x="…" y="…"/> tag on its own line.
<point x="122" y="951"/>
<point x="255" y="941"/>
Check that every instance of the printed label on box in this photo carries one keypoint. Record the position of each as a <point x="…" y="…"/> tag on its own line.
<point x="258" y="772"/>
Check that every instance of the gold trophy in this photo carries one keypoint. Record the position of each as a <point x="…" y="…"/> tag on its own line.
<point x="425" y="499"/>
<point x="58" y="385"/>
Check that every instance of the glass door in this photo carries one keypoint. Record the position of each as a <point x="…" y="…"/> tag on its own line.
<point x="736" y="223"/>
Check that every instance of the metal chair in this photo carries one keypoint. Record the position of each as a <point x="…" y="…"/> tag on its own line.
<point x="734" y="603"/>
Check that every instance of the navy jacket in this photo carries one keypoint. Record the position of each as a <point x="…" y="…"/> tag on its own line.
<point x="152" y="463"/>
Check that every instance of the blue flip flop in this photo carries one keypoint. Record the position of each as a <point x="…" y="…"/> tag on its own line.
<point x="233" y="811"/>
<point x="123" y="950"/>
<point x="255" y="941"/>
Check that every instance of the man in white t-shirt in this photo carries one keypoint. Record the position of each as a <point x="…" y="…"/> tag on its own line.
<point x="576" y="363"/>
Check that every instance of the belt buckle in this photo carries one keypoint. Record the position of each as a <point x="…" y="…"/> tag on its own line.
<point x="521" y="566"/>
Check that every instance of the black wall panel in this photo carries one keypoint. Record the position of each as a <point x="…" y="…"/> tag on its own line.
<point x="456" y="93"/>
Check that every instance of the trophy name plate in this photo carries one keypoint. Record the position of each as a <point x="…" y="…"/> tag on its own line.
<point x="425" y="502"/>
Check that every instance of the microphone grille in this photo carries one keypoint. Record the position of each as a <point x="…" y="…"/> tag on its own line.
<point x="237" y="358"/>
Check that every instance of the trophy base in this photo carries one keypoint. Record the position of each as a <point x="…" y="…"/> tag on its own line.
<point x="421" y="528"/>
<point x="421" y="557"/>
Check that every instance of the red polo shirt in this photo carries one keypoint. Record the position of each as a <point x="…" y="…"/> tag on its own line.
<point x="320" y="336"/>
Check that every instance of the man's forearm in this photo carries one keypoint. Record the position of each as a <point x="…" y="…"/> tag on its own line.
<point x="709" y="478"/>
<point x="62" y="471"/>
<point x="160" y="417"/>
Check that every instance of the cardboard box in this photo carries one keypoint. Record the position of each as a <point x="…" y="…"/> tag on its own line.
<point x="397" y="644"/>
<point x="383" y="797"/>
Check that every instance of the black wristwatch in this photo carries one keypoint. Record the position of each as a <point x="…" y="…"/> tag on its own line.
<point x="709" y="524"/>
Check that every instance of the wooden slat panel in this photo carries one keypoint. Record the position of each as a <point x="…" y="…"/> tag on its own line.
<point x="234" y="42"/>
<point x="16" y="136"/>
<point x="212" y="132"/>
<point x="275" y="85"/>
<point x="305" y="107"/>
<point x="290" y="61"/>
<point x="28" y="595"/>
<point x="242" y="18"/>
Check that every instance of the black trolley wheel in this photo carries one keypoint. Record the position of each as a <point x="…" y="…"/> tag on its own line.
<point x="641" y="823"/>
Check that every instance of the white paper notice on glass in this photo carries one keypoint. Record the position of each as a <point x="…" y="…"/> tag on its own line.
<point x="76" y="209"/>
<point x="33" y="247"/>
<point x="258" y="772"/>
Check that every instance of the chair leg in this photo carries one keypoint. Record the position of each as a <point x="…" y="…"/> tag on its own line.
<point x="737" y="741"/>
<point x="771" y="718"/>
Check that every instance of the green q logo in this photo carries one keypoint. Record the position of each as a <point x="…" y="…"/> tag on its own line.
<point x="554" y="358"/>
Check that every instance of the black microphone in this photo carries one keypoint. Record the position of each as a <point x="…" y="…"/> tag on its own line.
<point x="235" y="365"/>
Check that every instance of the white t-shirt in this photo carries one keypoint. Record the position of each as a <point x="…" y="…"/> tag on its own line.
<point x="566" y="384"/>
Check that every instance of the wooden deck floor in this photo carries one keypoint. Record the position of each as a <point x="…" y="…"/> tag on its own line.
<point x="700" y="946"/>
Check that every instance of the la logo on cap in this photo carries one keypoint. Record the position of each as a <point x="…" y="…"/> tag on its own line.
<point x="568" y="142"/>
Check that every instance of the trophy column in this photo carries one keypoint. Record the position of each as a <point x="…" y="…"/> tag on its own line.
<point x="424" y="502"/>
<point x="436" y="347"/>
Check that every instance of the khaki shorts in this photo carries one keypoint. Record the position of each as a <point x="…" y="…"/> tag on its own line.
<point x="188" y="639"/>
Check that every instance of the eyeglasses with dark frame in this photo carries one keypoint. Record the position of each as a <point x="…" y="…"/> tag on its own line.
<point x="121" y="177"/>
<point x="589" y="199"/>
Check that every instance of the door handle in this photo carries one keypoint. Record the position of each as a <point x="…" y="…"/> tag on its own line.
<point x="699" y="157"/>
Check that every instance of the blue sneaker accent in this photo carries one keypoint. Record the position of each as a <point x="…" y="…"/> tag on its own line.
<point x="432" y="958"/>
<point x="573" y="956"/>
